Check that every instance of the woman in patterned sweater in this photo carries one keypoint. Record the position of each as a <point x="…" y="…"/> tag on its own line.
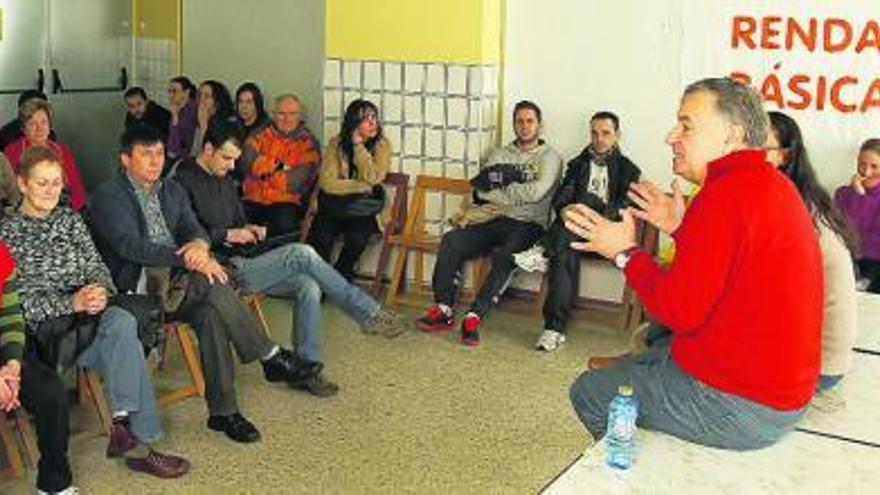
<point x="64" y="283"/>
<point x="26" y="381"/>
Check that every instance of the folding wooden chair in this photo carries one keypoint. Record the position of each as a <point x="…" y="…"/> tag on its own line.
<point x="255" y="302"/>
<point x="19" y="443"/>
<point x="629" y="311"/>
<point x="180" y="332"/>
<point x="89" y="387"/>
<point x="415" y="236"/>
<point x="396" y="222"/>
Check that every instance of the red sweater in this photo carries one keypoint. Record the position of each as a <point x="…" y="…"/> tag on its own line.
<point x="743" y="296"/>
<point x="71" y="173"/>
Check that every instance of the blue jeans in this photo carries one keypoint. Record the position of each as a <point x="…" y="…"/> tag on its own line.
<point x="296" y="272"/>
<point x="674" y="402"/>
<point x="118" y="356"/>
<point x="827" y="382"/>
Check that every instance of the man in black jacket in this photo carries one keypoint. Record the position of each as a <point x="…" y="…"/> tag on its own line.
<point x="139" y="220"/>
<point x="598" y="177"/>
<point x="278" y="267"/>
<point x="144" y="111"/>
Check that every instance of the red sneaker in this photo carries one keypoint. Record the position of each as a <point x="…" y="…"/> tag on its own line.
<point x="436" y="320"/>
<point x="470" y="330"/>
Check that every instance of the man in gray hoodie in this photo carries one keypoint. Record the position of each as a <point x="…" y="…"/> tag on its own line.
<point x="511" y="209"/>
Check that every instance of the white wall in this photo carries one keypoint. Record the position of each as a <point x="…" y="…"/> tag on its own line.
<point x="279" y="44"/>
<point x="576" y="57"/>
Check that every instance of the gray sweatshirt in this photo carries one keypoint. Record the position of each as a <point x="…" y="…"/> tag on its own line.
<point x="527" y="201"/>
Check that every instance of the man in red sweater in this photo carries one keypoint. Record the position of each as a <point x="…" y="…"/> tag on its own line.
<point x="742" y="300"/>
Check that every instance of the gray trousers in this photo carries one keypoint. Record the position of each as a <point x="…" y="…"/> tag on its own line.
<point x="674" y="402"/>
<point x="220" y="319"/>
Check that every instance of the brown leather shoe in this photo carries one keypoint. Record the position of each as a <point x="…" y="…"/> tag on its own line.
<point x="160" y="465"/>
<point x="599" y="362"/>
<point x="121" y="438"/>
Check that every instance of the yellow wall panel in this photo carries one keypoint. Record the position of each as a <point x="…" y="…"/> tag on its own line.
<point x="452" y="31"/>
<point x="156" y="18"/>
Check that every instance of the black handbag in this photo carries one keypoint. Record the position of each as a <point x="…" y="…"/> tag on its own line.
<point x="352" y="205"/>
<point x="59" y="341"/>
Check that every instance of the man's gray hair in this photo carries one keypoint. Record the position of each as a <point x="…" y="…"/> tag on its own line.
<point x="291" y="96"/>
<point x="740" y="104"/>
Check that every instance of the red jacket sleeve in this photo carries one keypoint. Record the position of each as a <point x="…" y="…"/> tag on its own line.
<point x="682" y="295"/>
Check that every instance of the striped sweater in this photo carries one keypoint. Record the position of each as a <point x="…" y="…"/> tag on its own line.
<point x="11" y="321"/>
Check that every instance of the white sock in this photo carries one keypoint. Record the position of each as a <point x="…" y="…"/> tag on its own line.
<point x="446" y="309"/>
<point x="271" y="353"/>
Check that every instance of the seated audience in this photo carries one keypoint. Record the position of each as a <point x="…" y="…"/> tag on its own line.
<point x="512" y="207"/>
<point x="184" y="119"/>
<point x="36" y="118"/>
<point x="28" y="382"/>
<point x="786" y="151"/>
<point x="250" y="108"/>
<point x="140" y="220"/>
<point x="13" y="130"/>
<point x="144" y="111"/>
<point x="598" y="177"/>
<point x="350" y="187"/>
<point x="860" y="203"/>
<point x="742" y="299"/>
<point x="214" y="105"/>
<point x="293" y="272"/>
<point x="280" y="164"/>
<point x="66" y="292"/>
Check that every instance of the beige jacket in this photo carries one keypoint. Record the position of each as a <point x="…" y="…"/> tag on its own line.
<point x="839" y="326"/>
<point x="371" y="168"/>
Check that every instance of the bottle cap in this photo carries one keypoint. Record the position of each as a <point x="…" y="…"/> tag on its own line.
<point x="625" y="390"/>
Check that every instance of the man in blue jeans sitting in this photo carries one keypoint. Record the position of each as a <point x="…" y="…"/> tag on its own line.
<point x="291" y="271"/>
<point x="742" y="300"/>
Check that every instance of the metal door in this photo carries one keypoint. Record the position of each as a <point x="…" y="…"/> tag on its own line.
<point x="89" y="53"/>
<point x="22" y="51"/>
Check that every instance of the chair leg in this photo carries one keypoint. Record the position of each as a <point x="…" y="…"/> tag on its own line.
<point x="381" y="266"/>
<point x="89" y="384"/>
<point x="624" y="317"/>
<point x="11" y="449"/>
<point x="28" y="438"/>
<point x="254" y="301"/>
<point x="191" y="361"/>
<point x="541" y="296"/>
<point x="396" y="275"/>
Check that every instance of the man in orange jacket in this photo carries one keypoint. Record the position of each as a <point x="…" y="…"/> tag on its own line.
<point x="280" y="166"/>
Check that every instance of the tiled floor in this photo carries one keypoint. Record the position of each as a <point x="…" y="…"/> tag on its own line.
<point x="417" y="414"/>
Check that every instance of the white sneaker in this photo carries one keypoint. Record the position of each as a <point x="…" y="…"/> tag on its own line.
<point x="550" y="340"/>
<point x="70" y="490"/>
<point x="532" y="259"/>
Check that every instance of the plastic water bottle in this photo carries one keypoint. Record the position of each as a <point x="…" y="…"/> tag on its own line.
<point x="620" y="440"/>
